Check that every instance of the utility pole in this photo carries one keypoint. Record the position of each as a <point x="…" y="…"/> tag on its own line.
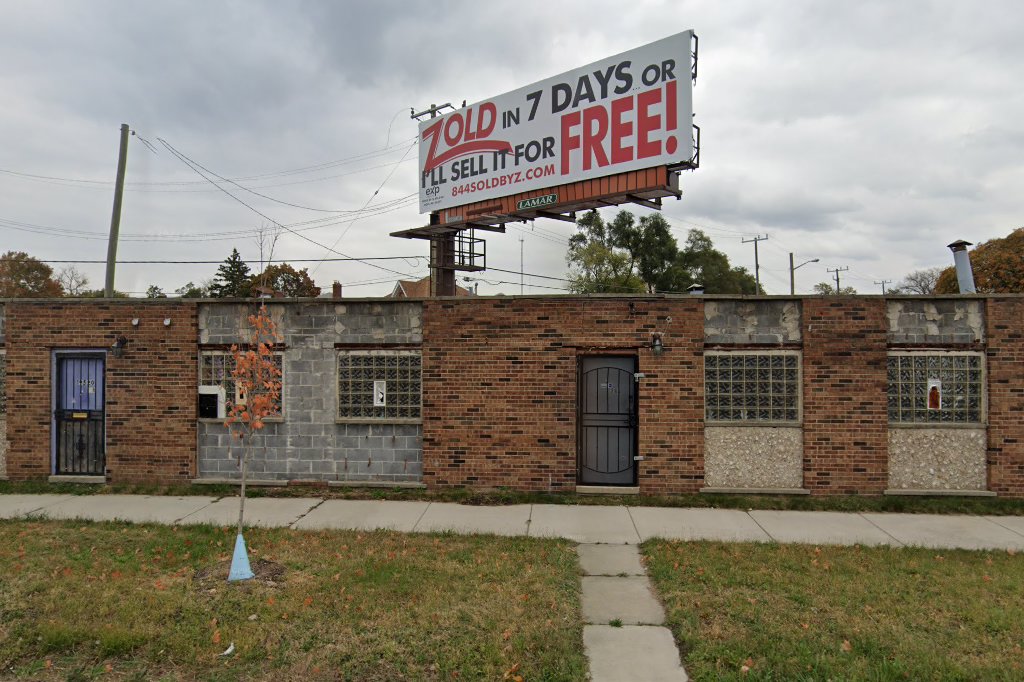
<point x="115" y="218"/>
<point x="837" y="271"/>
<point x="883" y="283"/>
<point x="792" y="272"/>
<point x="757" y="267"/>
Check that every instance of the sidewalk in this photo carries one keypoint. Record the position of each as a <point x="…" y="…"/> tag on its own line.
<point x="584" y="524"/>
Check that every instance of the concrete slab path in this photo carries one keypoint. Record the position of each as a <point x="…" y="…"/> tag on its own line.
<point x="583" y="523"/>
<point x="623" y="635"/>
<point x="13" y="506"/>
<point x="821" y="528"/>
<point x="259" y="511"/>
<point x="364" y="515"/>
<point x="948" y="531"/>
<point x="580" y="523"/>
<point x="134" y="508"/>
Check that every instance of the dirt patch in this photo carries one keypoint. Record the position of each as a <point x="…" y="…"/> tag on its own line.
<point x="268" y="573"/>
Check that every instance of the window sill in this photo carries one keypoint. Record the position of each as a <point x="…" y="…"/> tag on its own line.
<point x="752" y="423"/>
<point x="220" y="420"/>
<point x="942" y="493"/>
<point x="373" y="420"/>
<point x="937" y="425"/>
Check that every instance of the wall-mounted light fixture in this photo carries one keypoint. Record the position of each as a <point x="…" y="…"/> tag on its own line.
<point x="167" y="322"/>
<point x="657" y="344"/>
<point x="135" y="322"/>
<point x="117" y="348"/>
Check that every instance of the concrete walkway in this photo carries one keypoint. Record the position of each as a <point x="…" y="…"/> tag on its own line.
<point x="583" y="524"/>
<point x="624" y="636"/>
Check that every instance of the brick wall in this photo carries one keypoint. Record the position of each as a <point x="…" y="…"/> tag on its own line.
<point x="499" y="389"/>
<point x="1005" y="364"/>
<point x="150" y="392"/>
<point x="845" y="415"/>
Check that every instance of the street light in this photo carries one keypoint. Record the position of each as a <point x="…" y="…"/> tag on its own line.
<point x="793" y="269"/>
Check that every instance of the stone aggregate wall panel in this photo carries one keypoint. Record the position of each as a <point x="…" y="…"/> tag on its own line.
<point x="753" y="457"/>
<point x="150" y="391"/>
<point x="500" y="389"/>
<point x="937" y="459"/>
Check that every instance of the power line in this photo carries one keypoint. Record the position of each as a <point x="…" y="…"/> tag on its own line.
<point x="307" y="225"/>
<point x="295" y="171"/>
<point x="375" y="192"/>
<point x="218" y="262"/>
<point x="195" y="166"/>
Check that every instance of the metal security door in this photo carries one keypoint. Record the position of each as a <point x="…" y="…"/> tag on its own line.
<point x="79" y="417"/>
<point x="607" y="419"/>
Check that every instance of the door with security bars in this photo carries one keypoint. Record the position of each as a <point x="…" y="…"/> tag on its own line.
<point x="607" y="421"/>
<point x="79" y="416"/>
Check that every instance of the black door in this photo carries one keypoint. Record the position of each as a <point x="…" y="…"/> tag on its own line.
<point x="607" y="419"/>
<point x="78" y="417"/>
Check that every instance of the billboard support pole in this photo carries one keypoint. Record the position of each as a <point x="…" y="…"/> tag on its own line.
<point x="442" y="247"/>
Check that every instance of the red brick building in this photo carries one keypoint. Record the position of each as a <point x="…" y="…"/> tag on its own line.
<point x="678" y="394"/>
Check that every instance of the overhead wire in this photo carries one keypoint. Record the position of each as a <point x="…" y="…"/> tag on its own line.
<point x="375" y="193"/>
<point x="195" y="166"/>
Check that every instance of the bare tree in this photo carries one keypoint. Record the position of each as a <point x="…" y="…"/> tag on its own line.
<point x="919" y="282"/>
<point x="73" y="281"/>
<point x="266" y="240"/>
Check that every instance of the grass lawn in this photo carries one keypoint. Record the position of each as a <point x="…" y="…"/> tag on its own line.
<point x="117" y="601"/>
<point x="795" y="612"/>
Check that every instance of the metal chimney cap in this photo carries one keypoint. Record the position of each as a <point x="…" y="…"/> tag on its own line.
<point x="959" y="245"/>
<point x="695" y="288"/>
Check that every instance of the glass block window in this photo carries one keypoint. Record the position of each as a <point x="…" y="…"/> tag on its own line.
<point x="3" y="382"/>
<point x="379" y="385"/>
<point x="935" y="388"/>
<point x="215" y="368"/>
<point x="752" y="387"/>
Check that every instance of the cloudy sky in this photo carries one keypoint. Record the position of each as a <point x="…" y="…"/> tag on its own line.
<point x="868" y="135"/>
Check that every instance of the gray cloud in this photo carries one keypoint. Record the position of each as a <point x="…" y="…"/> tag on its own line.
<point x="869" y="134"/>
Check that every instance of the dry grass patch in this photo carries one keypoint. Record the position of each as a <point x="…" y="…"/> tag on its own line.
<point x="795" y="612"/>
<point x="114" y="601"/>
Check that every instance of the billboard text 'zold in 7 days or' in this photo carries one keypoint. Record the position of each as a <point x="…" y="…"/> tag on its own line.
<point x="622" y="113"/>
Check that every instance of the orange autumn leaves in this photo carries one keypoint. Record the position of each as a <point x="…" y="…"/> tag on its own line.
<point x="257" y="376"/>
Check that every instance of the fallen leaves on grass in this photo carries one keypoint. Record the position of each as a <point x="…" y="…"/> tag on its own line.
<point x="846" y="646"/>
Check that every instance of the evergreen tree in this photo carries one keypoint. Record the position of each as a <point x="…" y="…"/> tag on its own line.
<point x="232" y="279"/>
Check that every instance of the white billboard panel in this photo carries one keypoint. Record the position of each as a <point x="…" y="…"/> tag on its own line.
<point x="622" y="113"/>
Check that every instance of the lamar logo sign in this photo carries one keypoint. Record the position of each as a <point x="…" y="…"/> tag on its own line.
<point x="537" y="202"/>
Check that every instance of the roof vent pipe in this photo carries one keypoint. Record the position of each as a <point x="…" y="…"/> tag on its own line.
<point x="962" y="260"/>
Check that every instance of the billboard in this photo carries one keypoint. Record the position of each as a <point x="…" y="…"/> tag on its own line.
<point x="623" y="113"/>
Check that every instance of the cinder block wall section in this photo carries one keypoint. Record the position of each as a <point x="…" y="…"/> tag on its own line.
<point x="500" y="389"/>
<point x="845" y="386"/>
<point x="150" y="400"/>
<point x="309" y="443"/>
<point x="1005" y="358"/>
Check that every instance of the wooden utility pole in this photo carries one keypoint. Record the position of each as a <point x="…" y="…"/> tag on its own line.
<point x="757" y="267"/>
<point x="837" y="271"/>
<point x="115" y="218"/>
